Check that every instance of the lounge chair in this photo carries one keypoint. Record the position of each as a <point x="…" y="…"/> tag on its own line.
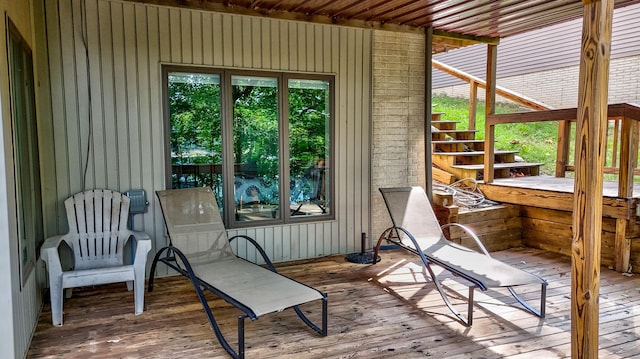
<point x="200" y="250"/>
<point x="416" y="229"/>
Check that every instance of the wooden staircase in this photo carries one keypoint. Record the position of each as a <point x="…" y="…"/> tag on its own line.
<point x="456" y="154"/>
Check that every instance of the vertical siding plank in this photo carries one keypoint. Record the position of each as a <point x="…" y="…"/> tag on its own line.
<point x="320" y="240"/>
<point x="327" y="50"/>
<point x="302" y="48"/>
<point x="318" y="44"/>
<point x="266" y="41"/>
<point x="216" y="40"/>
<point x="228" y="40"/>
<point x="359" y="150"/>
<point x="311" y="240"/>
<point x="152" y="222"/>
<point x="301" y="241"/>
<point x="120" y="91"/>
<point x="256" y="43"/>
<point x="334" y="64"/>
<point x="365" y="134"/>
<point x="82" y="139"/>
<point x="186" y="42"/>
<point x="131" y="159"/>
<point x="72" y="140"/>
<point x="59" y="125"/>
<point x="292" y="50"/>
<point x="274" y="45"/>
<point x="291" y="243"/>
<point x="207" y="39"/>
<point x="342" y="142"/>
<point x="284" y="43"/>
<point x="98" y="125"/>
<point x="165" y="34"/>
<point x="237" y="25"/>
<point x="108" y="95"/>
<point x="143" y="95"/>
<point x="196" y="37"/>
<point x="273" y="244"/>
<point x="175" y="35"/>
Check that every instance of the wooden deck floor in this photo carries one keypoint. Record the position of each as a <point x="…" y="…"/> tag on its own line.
<point x="559" y="184"/>
<point x="387" y="310"/>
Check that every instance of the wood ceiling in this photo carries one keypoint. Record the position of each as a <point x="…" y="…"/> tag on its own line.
<point x="455" y="22"/>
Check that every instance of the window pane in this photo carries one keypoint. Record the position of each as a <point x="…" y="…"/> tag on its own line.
<point x="256" y="148"/>
<point x="196" y="131"/>
<point x="309" y="147"/>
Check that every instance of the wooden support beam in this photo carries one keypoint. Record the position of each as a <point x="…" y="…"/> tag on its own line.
<point x="562" y="155"/>
<point x="473" y="104"/>
<point x="628" y="156"/>
<point x="622" y="255"/>
<point x="490" y="109"/>
<point x="590" y="149"/>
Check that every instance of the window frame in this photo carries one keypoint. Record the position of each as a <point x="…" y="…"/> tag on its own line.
<point x="226" y="115"/>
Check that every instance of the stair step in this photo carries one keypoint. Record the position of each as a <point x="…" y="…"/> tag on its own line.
<point x="473" y="153"/>
<point x="444" y="125"/>
<point x="455" y="134"/>
<point x="436" y="142"/>
<point x="514" y="165"/>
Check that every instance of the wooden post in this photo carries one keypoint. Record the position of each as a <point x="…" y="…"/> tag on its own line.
<point x="490" y="109"/>
<point x="473" y="104"/>
<point x="628" y="156"/>
<point x="562" y="156"/>
<point x="590" y="150"/>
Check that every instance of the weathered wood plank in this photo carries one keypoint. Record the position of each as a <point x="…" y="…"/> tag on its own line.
<point x="387" y="310"/>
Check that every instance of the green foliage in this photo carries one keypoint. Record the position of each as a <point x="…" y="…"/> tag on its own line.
<point x="255" y="127"/>
<point x="308" y="122"/>
<point x="195" y="122"/>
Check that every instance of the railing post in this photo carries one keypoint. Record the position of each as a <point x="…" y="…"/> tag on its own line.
<point x="489" y="153"/>
<point x="473" y="104"/>
<point x="628" y="157"/>
<point x="562" y="155"/>
<point x="490" y="109"/>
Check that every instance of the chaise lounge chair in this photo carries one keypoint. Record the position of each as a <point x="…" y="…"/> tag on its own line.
<point x="416" y="229"/>
<point x="200" y="250"/>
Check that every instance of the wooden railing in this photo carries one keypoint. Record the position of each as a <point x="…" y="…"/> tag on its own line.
<point x="624" y="159"/>
<point x="475" y="83"/>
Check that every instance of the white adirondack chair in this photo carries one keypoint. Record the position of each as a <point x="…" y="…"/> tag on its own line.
<point x="97" y="236"/>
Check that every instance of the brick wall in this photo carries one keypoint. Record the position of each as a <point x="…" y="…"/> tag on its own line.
<point x="398" y="118"/>
<point x="559" y="87"/>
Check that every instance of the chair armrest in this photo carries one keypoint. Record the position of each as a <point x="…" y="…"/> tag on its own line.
<point x="258" y="248"/>
<point x="49" y="253"/>
<point x="143" y="245"/>
<point x="471" y="234"/>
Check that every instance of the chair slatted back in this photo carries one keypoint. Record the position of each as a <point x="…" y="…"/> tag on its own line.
<point x="409" y="208"/>
<point x="195" y="225"/>
<point x="97" y="228"/>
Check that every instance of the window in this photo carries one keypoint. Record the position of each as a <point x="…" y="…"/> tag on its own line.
<point x="262" y="141"/>
<point x="25" y="151"/>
